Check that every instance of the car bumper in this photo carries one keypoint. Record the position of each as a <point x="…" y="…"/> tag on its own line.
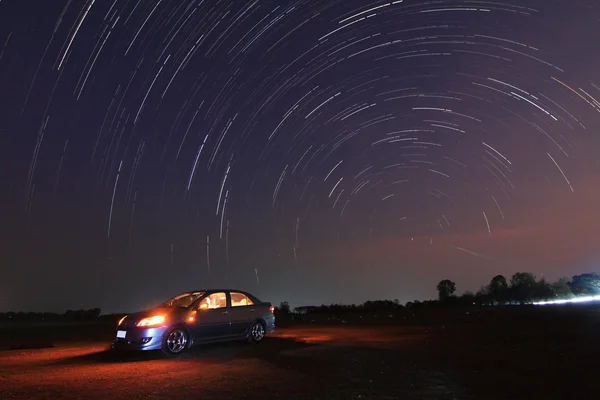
<point x="140" y="339"/>
<point x="270" y="324"/>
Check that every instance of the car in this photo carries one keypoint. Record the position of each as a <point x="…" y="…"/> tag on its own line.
<point x="196" y="317"/>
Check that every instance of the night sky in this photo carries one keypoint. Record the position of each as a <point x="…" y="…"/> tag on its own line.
<point x="308" y="151"/>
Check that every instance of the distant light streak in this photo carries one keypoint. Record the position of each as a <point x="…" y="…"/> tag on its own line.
<point x="535" y="105"/>
<point x="112" y="202"/>
<point x="34" y="160"/>
<point x="596" y="102"/>
<point x="336" y="185"/>
<point x="187" y="130"/>
<point x="222" y="187"/>
<point x="454" y="9"/>
<point x="276" y="191"/>
<point x="223" y="213"/>
<point x="498" y="205"/>
<point x="344" y="208"/>
<point x="439" y="173"/>
<point x="142" y="27"/>
<point x="357" y="111"/>
<point x="196" y="163"/>
<point x="75" y="33"/>
<point x="585" y="299"/>
<point x="576" y="92"/>
<point x="487" y="222"/>
<point x="366" y="11"/>
<point x="363" y="171"/>
<point x="322" y="104"/>
<point x="510" y="86"/>
<point x="497" y="152"/>
<point x="143" y="104"/>
<point x="333" y="169"/>
<point x="561" y="171"/>
<point x="448" y="127"/>
<point x="446" y="219"/>
<point x="342" y="27"/>
<point x="472" y="253"/>
<point x="338" y="197"/>
<point x="95" y="58"/>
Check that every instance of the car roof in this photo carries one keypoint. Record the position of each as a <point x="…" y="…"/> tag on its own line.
<point x="252" y="297"/>
<point x="221" y="290"/>
<point x="217" y="290"/>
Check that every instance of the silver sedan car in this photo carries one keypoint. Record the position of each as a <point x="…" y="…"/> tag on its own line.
<point x="197" y="317"/>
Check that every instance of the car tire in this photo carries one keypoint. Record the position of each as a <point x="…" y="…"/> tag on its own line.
<point x="257" y="332"/>
<point x="175" y="341"/>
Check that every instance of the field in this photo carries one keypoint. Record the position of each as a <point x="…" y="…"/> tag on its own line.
<point x="520" y="352"/>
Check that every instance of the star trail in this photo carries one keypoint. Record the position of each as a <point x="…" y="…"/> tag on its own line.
<point x="339" y="150"/>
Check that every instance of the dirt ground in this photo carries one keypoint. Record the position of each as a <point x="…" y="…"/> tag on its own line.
<point x="549" y="353"/>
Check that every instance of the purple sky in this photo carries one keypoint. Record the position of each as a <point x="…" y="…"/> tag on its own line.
<point x="314" y="152"/>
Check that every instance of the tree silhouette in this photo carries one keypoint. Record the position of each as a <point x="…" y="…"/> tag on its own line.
<point x="483" y="295"/>
<point x="585" y="284"/>
<point x="446" y="289"/>
<point x="543" y="290"/>
<point x="522" y="286"/>
<point x="498" y="289"/>
<point x="562" y="288"/>
<point x="284" y="307"/>
<point x="467" y="298"/>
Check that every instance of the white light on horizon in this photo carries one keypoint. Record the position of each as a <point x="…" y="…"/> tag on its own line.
<point x="585" y="299"/>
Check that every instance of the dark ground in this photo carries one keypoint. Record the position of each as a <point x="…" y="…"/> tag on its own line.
<point x="516" y="353"/>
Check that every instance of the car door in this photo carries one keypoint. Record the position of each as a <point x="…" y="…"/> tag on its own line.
<point x="242" y="313"/>
<point x="212" y="318"/>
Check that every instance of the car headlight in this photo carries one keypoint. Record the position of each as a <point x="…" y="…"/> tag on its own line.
<point x="152" y="321"/>
<point x="121" y="320"/>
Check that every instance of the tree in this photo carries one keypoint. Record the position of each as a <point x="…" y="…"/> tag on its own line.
<point x="562" y="288"/>
<point x="522" y="286"/>
<point x="585" y="285"/>
<point x="543" y="290"/>
<point x="284" y="307"/>
<point x="446" y="289"/>
<point x="93" y="313"/>
<point x="467" y="298"/>
<point x="483" y="295"/>
<point x="498" y="289"/>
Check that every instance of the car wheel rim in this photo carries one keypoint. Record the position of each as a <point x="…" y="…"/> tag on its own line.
<point x="258" y="332"/>
<point x="176" y="341"/>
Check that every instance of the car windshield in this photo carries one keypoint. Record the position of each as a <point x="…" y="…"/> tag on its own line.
<point x="182" y="300"/>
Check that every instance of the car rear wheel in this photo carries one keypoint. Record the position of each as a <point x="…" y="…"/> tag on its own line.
<point x="257" y="332"/>
<point x="175" y="341"/>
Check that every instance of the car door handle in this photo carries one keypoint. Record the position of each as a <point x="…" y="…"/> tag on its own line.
<point x="252" y="310"/>
<point x="224" y="312"/>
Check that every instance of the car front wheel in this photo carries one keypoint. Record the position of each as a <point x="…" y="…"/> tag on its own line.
<point x="257" y="332"/>
<point x="175" y="341"/>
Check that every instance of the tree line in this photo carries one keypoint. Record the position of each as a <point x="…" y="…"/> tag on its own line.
<point x="70" y="315"/>
<point x="522" y="288"/>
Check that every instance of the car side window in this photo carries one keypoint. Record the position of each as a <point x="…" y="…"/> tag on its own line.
<point x="240" y="300"/>
<point x="214" y="300"/>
